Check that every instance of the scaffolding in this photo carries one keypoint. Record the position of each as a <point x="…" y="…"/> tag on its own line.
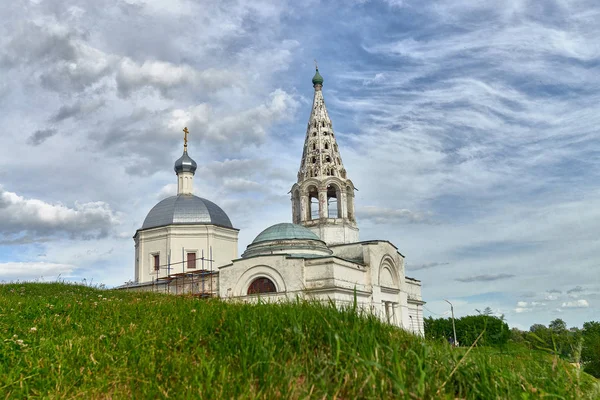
<point x="201" y="282"/>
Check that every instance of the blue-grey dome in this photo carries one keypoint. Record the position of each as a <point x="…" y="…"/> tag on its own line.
<point x="185" y="164"/>
<point x="285" y="231"/>
<point x="289" y="239"/>
<point x="186" y="209"/>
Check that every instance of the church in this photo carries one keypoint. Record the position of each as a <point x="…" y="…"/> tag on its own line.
<point x="188" y="244"/>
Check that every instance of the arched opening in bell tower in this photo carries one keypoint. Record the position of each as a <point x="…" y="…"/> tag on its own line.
<point x="334" y="210"/>
<point x="313" y="203"/>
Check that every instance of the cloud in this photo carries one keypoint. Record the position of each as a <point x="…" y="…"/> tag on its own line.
<point x="524" y="306"/>
<point x="11" y="271"/>
<point x="169" y="189"/>
<point x="235" y="130"/>
<point x="425" y="265"/>
<point x="485" y="278"/>
<point x="77" y="109"/>
<point x="165" y="76"/>
<point x="26" y="218"/>
<point x="576" y="304"/>
<point x="382" y="215"/>
<point x="59" y="55"/>
<point x="577" y="289"/>
<point x="40" y="136"/>
<point x="240" y="185"/>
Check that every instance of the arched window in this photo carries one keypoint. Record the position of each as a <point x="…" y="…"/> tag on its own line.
<point x="313" y="202"/>
<point x="326" y="145"/>
<point x="334" y="209"/>
<point x="327" y="159"/>
<point x="314" y="133"/>
<point x="314" y="160"/>
<point x="314" y="146"/>
<point x="323" y="124"/>
<point x="262" y="285"/>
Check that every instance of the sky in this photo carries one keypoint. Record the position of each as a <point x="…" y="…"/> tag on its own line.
<point x="470" y="129"/>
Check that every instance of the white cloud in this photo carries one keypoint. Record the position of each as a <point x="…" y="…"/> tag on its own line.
<point x="11" y="271"/>
<point x="169" y="189"/>
<point x="165" y="76"/>
<point x="576" y="304"/>
<point x="21" y="216"/>
<point x="235" y="130"/>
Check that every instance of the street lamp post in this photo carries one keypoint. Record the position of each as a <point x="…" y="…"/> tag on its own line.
<point x="453" y="326"/>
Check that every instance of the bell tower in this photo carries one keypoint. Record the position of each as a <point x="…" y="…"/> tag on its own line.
<point x="323" y="197"/>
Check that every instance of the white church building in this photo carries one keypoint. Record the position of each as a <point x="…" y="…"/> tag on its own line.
<point x="188" y="244"/>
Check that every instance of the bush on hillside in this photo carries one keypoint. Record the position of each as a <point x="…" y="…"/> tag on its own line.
<point x="468" y="329"/>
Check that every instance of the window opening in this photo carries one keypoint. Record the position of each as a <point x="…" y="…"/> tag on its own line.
<point x="262" y="285"/>
<point x="191" y="260"/>
<point x="156" y="262"/>
<point x="313" y="203"/>
<point x="333" y="208"/>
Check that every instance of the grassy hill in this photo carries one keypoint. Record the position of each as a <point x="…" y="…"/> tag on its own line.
<point x="68" y="341"/>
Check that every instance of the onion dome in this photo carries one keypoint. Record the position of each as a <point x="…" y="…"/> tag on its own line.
<point x="317" y="79"/>
<point x="287" y="238"/>
<point x="185" y="163"/>
<point x="186" y="209"/>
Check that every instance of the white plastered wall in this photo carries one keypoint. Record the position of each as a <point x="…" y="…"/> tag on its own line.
<point x="189" y="238"/>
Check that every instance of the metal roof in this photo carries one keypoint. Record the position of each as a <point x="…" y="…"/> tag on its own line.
<point x="284" y="231"/>
<point x="185" y="163"/>
<point x="186" y="209"/>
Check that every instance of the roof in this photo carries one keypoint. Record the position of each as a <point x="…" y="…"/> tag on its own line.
<point x="285" y="231"/>
<point x="186" y="209"/>
<point x="185" y="163"/>
<point x="317" y="79"/>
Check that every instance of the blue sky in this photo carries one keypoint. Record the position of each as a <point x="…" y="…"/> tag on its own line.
<point x="469" y="128"/>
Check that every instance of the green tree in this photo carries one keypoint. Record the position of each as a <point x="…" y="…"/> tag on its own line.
<point x="590" y="353"/>
<point x="558" y="326"/>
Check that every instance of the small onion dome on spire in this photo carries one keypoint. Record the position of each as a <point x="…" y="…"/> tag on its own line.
<point x="185" y="164"/>
<point x="317" y="79"/>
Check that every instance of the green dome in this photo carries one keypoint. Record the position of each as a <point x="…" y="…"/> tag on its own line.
<point x="317" y="79"/>
<point x="285" y="231"/>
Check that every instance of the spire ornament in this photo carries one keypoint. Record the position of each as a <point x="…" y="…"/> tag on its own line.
<point x="185" y="140"/>
<point x="317" y="79"/>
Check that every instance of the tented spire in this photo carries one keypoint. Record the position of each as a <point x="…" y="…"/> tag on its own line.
<point x="321" y="156"/>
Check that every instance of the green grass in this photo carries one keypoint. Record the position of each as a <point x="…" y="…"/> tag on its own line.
<point x="68" y="341"/>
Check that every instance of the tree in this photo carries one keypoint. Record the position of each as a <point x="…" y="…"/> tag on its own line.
<point x="590" y="352"/>
<point x="558" y="326"/>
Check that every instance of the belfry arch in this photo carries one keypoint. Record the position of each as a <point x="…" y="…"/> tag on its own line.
<point x="314" y="209"/>
<point x="334" y="208"/>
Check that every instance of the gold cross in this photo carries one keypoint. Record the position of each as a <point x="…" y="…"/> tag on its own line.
<point x="185" y="131"/>
<point x="316" y="65"/>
